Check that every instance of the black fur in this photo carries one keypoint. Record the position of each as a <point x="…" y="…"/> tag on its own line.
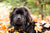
<point x="20" y="18"/>
<point x="45" y="28"/>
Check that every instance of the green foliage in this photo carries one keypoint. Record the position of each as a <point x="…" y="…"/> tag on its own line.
<point x="31" y="4"/>
<point x="2" y="0"/>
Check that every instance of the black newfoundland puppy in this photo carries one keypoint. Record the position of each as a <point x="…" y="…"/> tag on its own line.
<point x="21" y="19"/>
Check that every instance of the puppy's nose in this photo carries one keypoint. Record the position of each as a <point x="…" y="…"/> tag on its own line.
<point x="18" y="18"/>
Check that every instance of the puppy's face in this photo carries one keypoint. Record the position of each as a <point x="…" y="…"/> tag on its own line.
<point x="19" y="16"/>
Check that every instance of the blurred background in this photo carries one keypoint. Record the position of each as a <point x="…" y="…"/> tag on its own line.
<point x="40" y="10"/>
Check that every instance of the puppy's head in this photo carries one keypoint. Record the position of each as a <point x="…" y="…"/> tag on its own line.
<point x="20" y="16"/>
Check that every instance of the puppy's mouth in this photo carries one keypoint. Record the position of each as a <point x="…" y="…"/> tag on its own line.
<point x="18" y="23"/>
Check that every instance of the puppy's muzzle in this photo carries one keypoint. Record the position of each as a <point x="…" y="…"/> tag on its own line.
<point x="19" y="23"/>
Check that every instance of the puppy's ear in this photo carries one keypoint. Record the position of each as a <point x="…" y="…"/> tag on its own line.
<point x="28" y="15"/>
<point x="11" y="16"/>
